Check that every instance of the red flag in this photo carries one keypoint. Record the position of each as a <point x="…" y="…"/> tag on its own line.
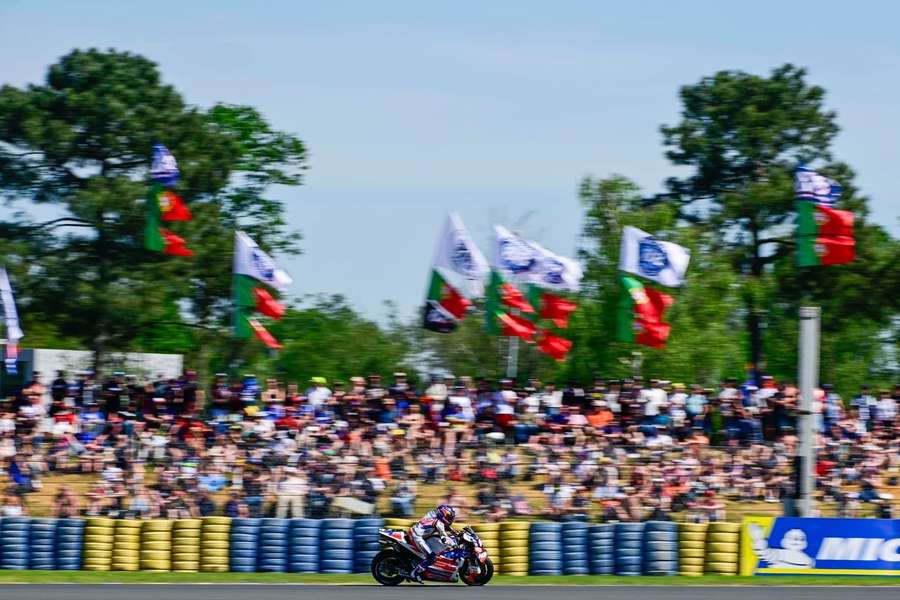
<point x="557" y="309"/>
<point x="650" y="304"/>
<point x="263" y="334"/>
<point x="515" y="326"/>
<point x="172" y="207"/>
<point x="652" y="334"/>
<point x="511" y="296"/>
<point x="453" y="302"/>
<point x="835" y="250"/>
<point x="174" y="245"/>
<point x="266" y="304"/>
<point x="554" y="346"/>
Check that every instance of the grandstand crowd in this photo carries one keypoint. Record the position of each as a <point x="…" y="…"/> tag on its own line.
<point x="620" y="450"/>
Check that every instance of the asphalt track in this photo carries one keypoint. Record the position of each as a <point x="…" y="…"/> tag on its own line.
<point x="432" y="592"/>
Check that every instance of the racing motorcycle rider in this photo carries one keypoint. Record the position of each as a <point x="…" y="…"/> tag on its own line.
<point x="436" y="523"/>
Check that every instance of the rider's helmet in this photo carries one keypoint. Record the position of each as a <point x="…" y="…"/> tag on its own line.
<point x="446" y="513"/>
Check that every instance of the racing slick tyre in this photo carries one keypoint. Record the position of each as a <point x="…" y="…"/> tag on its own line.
<point x="388" y="568"/>
<point x="487" y="572"/>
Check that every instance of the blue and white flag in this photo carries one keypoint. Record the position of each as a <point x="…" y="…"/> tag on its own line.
<point x="164" y="169"/>
<point x="250" y="260"/>
<point x="809" y="185"/>
<point x="457" y="253"/>
<point x="643" y="255"/>
<point x="11" y="320"/>
<point x="524" y="261"/>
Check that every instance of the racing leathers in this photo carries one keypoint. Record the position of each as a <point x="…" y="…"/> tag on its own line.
<point x="428" y="527"/>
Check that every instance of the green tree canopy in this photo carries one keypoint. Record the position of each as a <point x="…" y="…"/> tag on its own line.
<point x="81" y="141"/>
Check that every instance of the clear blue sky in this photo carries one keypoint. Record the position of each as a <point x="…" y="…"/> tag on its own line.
<point x="494" y="109"/>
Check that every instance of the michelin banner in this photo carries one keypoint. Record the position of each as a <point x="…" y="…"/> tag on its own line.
<point x="795" y="546"/>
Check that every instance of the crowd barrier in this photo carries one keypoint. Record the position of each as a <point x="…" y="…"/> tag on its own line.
<point x="759" y="546"/>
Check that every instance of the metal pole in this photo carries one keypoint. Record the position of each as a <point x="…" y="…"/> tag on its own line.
<point x="808" y="376"/>
<point x="512" y="358"/>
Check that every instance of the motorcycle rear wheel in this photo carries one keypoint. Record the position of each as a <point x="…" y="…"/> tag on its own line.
<point x="387" y="567"/>
<point x="487" y="572"/>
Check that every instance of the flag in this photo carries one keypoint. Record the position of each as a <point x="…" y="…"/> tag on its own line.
<point x="492" y="303"/>
<point x="457" y="253"/>
<point x="523" y="261"/>
<point x="556" y="309"/>
<point x="641" y="313"/>
<point x="10" y="314"/>
<point x="263" y="334"/>
<point x="553" y="345"/>
<point x="825" y="250"/>
<point x="642" y="254"/>
<point x="266" y="303"/>
<point x="164" y="168"/>
<point x="815" y="219"/>
<point x="173" y="245"/>
<point x="512" y="297"/>
<point x="515" y="326"/>
<point x="824" y="235"/>
<point x="171" y="206"/>
<point x="444" y="307"/>
<point x="153" y="239"/>
<point x="809" y="185"/>
<point x="251" y="261"/>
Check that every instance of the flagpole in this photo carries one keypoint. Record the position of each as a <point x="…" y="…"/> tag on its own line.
<point x="512" y="355"/>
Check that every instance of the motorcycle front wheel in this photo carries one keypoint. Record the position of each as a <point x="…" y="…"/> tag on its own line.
<point x="388" y="567"/>
<point x="487" y="572"/>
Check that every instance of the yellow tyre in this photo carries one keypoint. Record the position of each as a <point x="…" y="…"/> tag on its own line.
<point x="722" y="557"/>
<point x="213" y="568"/>
<point x="215" y="536"/>
<point x="691" y="553"/>
<point x="210" y="552"/>
<point x="156" y="536"/>
<point x="214" y="528"/>
<point x="692" y="562"/>
<point x="107" y="554"/>
<point x="724" y="528"/>
<point x="153" y="555"/>
<point x="215" y="544"/>
<point x="733" y="538"/>
<point x="692" y="536"/>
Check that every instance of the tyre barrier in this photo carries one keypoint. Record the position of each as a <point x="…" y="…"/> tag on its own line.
<point x="156" y="545"/>
<point x="601" y="549"/>
<point x="303" y="553"/>
<point x="490" y="539"/>
<point x="126" y="552"/>
<point x="14" y="543"/>
<point x="512" y="549"/>
<point x="691" y="548"/>
<point x="575" y="548"/>
<point x="97" y="550"/>
<point x="69" y="544"/>
<point x="336" y="546"/>
<point x="545" y="549"/>
<point x="243" y="549"/>
<point x="365" y="543"/>
<point x="272" y="555"/>
<point x="628" y="546"/>
<point x="186" y="545"/>
<point x="215" y="544"/>
<point x="660" y="550"/>
<point x="42" y="544"/>
<point x="723" y="548"/>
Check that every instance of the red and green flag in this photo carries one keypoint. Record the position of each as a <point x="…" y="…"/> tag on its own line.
<point x="554" y="346"/>
<point x="516" y="326"/>
<point x="557" y="309"/>
<point x="824" y="235"/>
<point x="173" y="245"/>
<point x="493" y="303"/>
<point x="444" y="306"/>
<point x="641" y="313"/>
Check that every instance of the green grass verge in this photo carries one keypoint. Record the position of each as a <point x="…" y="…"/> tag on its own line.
<point x="365" y="579"/>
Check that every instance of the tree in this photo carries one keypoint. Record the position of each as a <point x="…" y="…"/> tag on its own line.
<point x="744" y="135"/>
<point x="81" y="141"/>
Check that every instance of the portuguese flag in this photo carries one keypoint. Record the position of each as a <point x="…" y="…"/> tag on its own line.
<point x="444" y="306"/>
<point x="824" y="235"/>
<point x="641" y="312"/>
<point x="164" y="205"/>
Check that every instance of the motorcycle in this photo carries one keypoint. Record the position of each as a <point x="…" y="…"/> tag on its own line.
<point x="467" y="560"/>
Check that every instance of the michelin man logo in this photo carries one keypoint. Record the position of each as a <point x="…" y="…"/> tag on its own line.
<point x="263" y="264"/>
<point x="462" y="258"/>
<point x="791" y="555"/>
<point x="517" y="256"/>
<point x="652" y="258"/>
<point x="553" y="271"/>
